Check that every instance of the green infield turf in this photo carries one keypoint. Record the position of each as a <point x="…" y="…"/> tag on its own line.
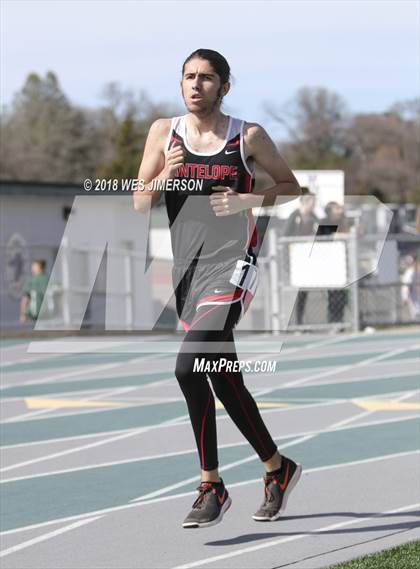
<point x="402" y="557"/>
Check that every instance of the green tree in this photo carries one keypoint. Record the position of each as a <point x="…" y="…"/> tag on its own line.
<point x="125" y="162"/>
<point x="44" y="138"/>
<point x="126" y="119"/>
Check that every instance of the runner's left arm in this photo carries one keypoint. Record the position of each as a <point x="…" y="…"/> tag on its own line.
<point x="261" y="148"/>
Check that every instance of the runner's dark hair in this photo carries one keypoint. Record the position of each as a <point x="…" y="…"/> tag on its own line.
<point x="216" y="59"/>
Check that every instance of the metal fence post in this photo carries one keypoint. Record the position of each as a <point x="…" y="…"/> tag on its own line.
<point x="355" y="278"/>
<point x="265" y="277"/>
<point x="65" y="252"/>
<point x="129" y="316"/>
<point x="274" y="281"/>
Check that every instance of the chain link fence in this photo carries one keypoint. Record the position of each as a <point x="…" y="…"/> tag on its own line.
<point x="382" y="281"/>
<point x="332" y="284"/>
<point x="391" y="294"/>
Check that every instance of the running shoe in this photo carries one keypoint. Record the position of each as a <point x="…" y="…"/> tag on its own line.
<point x="209" y="507"/>
<point x="277" y="490"/>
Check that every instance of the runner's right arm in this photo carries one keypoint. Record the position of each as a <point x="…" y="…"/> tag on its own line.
<point x="157" y="164"/>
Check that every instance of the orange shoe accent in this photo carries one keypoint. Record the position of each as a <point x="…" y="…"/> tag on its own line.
<point x="222" y="498"/>
<point x="286" y="479"/>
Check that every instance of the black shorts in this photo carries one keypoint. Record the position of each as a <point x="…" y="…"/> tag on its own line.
<point x="206" y="284"/>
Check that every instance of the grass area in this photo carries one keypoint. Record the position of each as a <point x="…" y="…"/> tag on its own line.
<point x="402" y="557"/>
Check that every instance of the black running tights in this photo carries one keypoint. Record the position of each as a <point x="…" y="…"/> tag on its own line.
<point x="214" y="324"/>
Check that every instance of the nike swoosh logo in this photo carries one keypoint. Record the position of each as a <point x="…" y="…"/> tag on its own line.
<point x="221" y="498"/>
<point x="230" y="152"/>
<point x="217" y="290"/>
<point x="286" y="479"/>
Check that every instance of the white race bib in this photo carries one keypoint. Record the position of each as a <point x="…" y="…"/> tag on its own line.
<point x="245" y="276"/>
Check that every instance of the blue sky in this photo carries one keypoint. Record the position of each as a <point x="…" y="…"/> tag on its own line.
<point x="366" y="51"/>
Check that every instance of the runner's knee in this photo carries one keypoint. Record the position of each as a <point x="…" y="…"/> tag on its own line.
<point x="184" y="369"/>
<point x="223" y="385"/>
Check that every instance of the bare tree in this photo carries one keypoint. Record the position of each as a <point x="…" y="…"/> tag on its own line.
<point x="385" y="152"/>
<point x="316" y="120"/>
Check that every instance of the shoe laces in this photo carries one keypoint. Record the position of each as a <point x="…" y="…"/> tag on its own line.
<point x="203" y="489"/>
<point x="267" y="481"/>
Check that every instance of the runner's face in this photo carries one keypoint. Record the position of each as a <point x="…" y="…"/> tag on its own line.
<point x="201" y="87"/>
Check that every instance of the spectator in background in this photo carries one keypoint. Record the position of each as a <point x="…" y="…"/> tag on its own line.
<point x="410" y="291"/>
<point x="335" y="222"/>
<point x="33" y="291"/>
<point x="302" y="221"/>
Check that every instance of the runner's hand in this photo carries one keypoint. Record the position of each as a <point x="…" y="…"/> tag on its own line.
<point x="174" y="158"/>
<point x="226" y="201"/>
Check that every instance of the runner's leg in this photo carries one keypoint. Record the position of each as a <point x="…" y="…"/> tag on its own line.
<point x="228" y="386"/>
<point x="240" y="405"/>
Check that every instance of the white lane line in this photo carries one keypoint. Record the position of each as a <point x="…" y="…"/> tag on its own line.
<point x="28" y="361"/>
<point x="12" y="347"/>
<point x="131" y="505"/>
<point x="194" y="450"/>
<point x="262" y="391"/>
<point x="124" y="435"/>
<point x="52" y="395"/>
<point x="325" y="355"/>
<point x="74" y="373"/>
<point x="163" y="382"/>
<point x="26" y="344"/>
<point x="83" y="346"/>
<point x="76" y="413"/>
<point x="79" y="372"/>
<point x="94" y="346"/>
<point x="286" y="351"/>
<point x="274" y="542"/>
<point x="341" y="369"/>
<point x="324" y="373"/>
<point x="253" y="457"/>
<point x="46" y="359"/>
<point x="32" y="414"/>
<point x="228" y="466"/>
<point x="46" y="536"/>
<point x="289" y="384"/>
<point x="352" y="380"/>
<point x="123" y="403"/>
<point x="132" y="361"/>
<point x="320" y="343"/>
<point x="341" y="339"/>
<point x="181" y="422"/>
<point x="89" y="370"/>
<point x="405" y="395"/>
<point x="112" y="365"/>
<point x="132" y="433"/>
<point x="87" y="379"/>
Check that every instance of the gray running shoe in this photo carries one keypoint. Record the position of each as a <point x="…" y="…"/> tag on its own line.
<point x="209" y="507"/>
<point x="277" y="490"/>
